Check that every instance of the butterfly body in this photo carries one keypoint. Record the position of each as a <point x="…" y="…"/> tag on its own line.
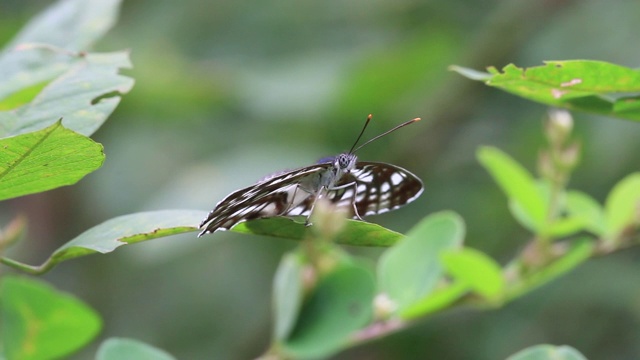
<point x="366" y="188"/>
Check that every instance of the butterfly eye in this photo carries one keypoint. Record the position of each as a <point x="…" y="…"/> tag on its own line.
<point x="343" y="161"/>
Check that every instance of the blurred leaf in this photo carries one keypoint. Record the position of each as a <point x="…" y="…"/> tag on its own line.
<point x="516" y="183"/>
<point x="548" y="352"/>
<point x="579" y="251"/>
<point x="39" y="322"/>
<point x="84" y="96"/>
<point x="437" y="300"/>
<point x="622" y="207"/>
<point x="409" y="271"/>
<point x="476" y="270"/>
<point x="73" y="25"/>
<point x="287" y="294"/>
<point x="355" y="233"/>
<point x="340" y="304"/>
<point x="129" y="349"/>
<point x="21" y="97"/>
<point x="471" y="73"/>
<point x="45" y="160"/>
<point x="585" y="85"/>
<point x="580" y="212"/>
<point x="122" y="230"/>
<point x="585" y="208"/>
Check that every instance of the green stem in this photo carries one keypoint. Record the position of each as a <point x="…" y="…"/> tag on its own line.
<point x="29" y="269"/>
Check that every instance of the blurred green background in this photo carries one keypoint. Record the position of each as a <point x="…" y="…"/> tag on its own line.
<point x="228" y="91"/>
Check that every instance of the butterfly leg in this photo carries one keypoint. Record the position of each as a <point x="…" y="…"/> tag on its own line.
<point x="313" y="205"/>
<point x="356" y="215"/>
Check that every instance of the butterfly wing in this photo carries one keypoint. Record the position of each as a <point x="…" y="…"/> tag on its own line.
<point x="378" y="188"/>
<point x="371" y="187"/>
<point x="276" y="195"/>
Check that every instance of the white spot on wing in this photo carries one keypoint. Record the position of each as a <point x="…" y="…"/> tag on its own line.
<point x="396" y="178"/>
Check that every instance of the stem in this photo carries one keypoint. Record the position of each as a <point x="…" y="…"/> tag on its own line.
<point x="30" y="269"/>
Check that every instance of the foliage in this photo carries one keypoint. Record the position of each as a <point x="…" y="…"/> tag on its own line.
<point x="583" y="85"/>
<point x="325" y="299"/>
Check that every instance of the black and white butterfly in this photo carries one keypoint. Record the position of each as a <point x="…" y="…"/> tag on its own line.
<point x="366" y="188"/>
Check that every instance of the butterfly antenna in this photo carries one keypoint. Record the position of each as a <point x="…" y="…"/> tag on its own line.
<point x="366" y="123"/>
<point x="383" y="134"/>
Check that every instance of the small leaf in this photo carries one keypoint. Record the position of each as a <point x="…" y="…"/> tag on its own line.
<point x="410" y="270"/>
<point x="39" y="322"/>
<point x="585" y="208"/>
<point x="585" y="85"/>
<point x="435" y="301"/>
<point x="516" y="182"/>
<point x="129" y="349"/>
<point x="340" y="304"/>
<point x="622" y="207"/>
<point x="45" y="160"/>
<point x="548" y="352"/>
<point x="355" y="233"/>
<point x="287" y="295"/>
<point x="476" y="270"/>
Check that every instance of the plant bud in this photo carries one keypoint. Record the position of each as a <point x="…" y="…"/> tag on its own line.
<point x="558" y="126"/>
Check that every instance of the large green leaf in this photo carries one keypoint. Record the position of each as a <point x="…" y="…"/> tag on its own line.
<point x="585" y="85"/>
<point x="129" y="349"/>
<point x="39" y="322"/>
<point x="119" y="231"/>
<point x="340" y="304"/>
<point x="410" y="270"/>
<point x="356" y="233"/>
<point x="45" y="159"/>
<point x="72" y="25"/>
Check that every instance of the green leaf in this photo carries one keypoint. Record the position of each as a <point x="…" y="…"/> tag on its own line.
<point x="72" y="25"/>
<point x="476" y="270"/>
<point x="548" y="352"/>
<point x="287" y="295"/>
<point x="340" y="304"/>
<point x="122" y="230"/>
<point x="410" y="270"/>
<point x="21" y="97"/>
<point x="129" y="349"/>
<point x="84" y="96"/>
<point x="579" y="213"/>
<point x="591" y="86"/>
<point x="585" y="208"/>
<point x="516" y="182"/>
<point x="579" y="251"/>
<point x="45" y="160"/>
<point x="355" y="233"/>
<point x="439" y="299"/>
<point x="622" y="207"/>
<point x="39" y="322"/>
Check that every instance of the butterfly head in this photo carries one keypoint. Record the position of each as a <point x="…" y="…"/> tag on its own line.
<point x="345" y="162"/>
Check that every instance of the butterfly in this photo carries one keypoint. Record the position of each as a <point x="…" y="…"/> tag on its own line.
<point x="364" y="187"/>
